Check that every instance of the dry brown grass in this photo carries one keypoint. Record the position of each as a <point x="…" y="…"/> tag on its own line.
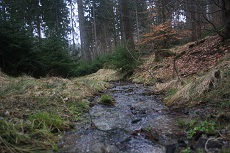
<point x="196" y="88"/>
<point x="175" y="84"/>
<point x="105" y="75"/>
<point x="24" y="96"/>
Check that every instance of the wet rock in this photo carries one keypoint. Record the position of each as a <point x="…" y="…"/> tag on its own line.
<point x="176" y="147"/>
<point x="210" y="144"/>
<point x="141" y="145"/>
<point x="136" y="121"/>
<point x="103" y="148"/>
<point x="200" y="143"/>
<point x="151" y="135"/>
<point x="214" y="144"/>
<point x="97" y="148"/>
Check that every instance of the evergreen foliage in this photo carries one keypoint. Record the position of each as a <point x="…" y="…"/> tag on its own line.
<point x="15" y="52"/>
<point x="23" y="50"/>
<point x="121" y="58"/>
<point x="52" y="58"/>
<point x="124" y="59"/>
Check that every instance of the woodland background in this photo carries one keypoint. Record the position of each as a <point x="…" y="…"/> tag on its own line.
<point x="39" y="37"/>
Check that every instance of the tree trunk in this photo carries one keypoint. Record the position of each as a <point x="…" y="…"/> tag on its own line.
<point x="137" y="23"/>
<point x="83" y="33"/>
<point x="126" y="23"/>
<point x="72" y="26"/>
<point x="38" y="14"/>
<point x="226" y="18"/>
<point x="95" y="51"/>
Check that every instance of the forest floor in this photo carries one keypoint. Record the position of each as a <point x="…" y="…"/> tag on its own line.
<point x="194" y="77"/>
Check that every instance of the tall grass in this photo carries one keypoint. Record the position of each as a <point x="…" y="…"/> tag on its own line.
<point x="39" y="132"/>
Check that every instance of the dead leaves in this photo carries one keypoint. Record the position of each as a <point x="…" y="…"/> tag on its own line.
<point x="192" y="60"/>
<point x="201" y="57"/>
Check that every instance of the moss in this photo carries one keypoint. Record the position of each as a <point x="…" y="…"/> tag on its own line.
<point x="107" y="100"/>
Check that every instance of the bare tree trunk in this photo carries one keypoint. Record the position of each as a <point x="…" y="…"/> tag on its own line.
<point x="83" y="33"/>
<point x="38" y="21"/>
<point x="225" y="4"/>
<point x="193" y="21"/>
<point x="72" y="26"/>
<point x="137" y="22"/>
<point x="95" y="33"/>
<point x="126" y="23"/>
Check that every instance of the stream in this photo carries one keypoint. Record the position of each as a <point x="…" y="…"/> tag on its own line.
<point x="137" y="123"/>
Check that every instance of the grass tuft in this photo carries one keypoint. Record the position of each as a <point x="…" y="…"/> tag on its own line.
<point x="107" y="100"/>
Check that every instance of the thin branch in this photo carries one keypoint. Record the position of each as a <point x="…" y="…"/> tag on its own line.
<point x="130" y="52"/>
<point x="215" y="139"/>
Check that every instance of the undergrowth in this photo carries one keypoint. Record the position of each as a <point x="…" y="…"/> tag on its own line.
<point x="121" y="58"/>
<point x="195" y="128"/>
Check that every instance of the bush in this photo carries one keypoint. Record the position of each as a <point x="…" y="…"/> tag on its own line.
<point x="120" y="58"/>
<point x="84" y="68"/>
<point x="52" y="59"/>
<point x="203" y="126"/>
<point x="124" y="59"/>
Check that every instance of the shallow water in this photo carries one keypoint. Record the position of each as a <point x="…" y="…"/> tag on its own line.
<point x="138" y="123"/>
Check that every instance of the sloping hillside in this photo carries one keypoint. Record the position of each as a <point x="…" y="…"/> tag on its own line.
<point x="190" y="59"/>
<point x="195" y="81"/>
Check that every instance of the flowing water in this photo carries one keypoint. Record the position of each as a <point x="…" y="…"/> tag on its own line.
<point x="137" y="123"/>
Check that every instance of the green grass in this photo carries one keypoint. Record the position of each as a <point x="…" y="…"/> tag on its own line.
<point x="39" y="131"/>
<point x="106" y="100"/>
<point x="45" y="120"/>
<point x="187" y="150"/>
<point x="170" y="92"/>
<point x="181" y="123"/>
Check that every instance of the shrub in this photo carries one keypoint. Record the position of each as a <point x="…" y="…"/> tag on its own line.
<point x="124" y="59"/>
<point x="120" y="58"/>
<point x="52" y="59"/>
